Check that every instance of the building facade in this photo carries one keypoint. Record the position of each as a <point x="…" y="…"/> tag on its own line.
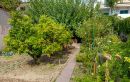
<point x="122" y="8"/>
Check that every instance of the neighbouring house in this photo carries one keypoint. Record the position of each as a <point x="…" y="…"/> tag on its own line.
<point x="122" y="8"/>
<point x="4" y="26"/>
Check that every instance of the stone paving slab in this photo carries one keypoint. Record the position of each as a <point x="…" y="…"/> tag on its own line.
<point x="66" y="73"/>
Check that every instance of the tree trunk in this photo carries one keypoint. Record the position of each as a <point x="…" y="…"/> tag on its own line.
<point x="35" y="58"/>
<point x="110" y="11"/>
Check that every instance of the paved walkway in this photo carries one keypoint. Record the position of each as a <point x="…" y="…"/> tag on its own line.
<point x="66" y="73"/>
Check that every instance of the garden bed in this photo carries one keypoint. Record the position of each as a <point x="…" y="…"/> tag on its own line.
<point x="19" y="68"/>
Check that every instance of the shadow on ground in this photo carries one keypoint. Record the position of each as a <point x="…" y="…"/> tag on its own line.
<point x="57" y="58"/>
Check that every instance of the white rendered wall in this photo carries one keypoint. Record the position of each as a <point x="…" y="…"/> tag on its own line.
<point x="4" y="26"/>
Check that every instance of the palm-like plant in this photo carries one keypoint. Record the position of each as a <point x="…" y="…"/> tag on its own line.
<point x="111" y="4"/>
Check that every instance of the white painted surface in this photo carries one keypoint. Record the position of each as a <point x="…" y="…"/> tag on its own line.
<point x="1" y="38"/>
<point x="124" y="15"/>
<point x="24" y="0"/>
<point x="4" y="26"/>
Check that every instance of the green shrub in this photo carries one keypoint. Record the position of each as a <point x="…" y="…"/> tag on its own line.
<point x="125" y="79"/>
<point x="44" y="38"/>
<point x="120" y="25"/>
<point x="81" y="57"/>
<point x="112" y="45"/>
<point x="94" y="28"/>
<point x="124" y="25"/>
<point x="84" y="78"/>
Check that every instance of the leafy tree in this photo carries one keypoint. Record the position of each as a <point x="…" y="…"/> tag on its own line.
<point x="44" y="38"/>
<point x="111" y="4"/>
<point x="93" y="28"/>
<point x="9" y="4"/>
<point x="69" y="12"/>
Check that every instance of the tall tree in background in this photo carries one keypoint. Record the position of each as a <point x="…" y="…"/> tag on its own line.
<point x="111" y="4"/>
<point x="69" y="12"/>
<point x="9" y="4"/>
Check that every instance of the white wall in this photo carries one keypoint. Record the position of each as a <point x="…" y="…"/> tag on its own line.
<point x="4" y="26"/>
<point x="118" y="10"/>
<point x="24" y="0"/>
<point x="101" y="1"/>
<point x="1" y="38"/>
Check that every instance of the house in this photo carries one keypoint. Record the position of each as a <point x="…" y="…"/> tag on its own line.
<point x="4" y="26"/>
<point x="122" y="8"/>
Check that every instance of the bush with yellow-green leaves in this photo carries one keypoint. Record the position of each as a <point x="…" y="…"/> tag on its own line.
<point x="44" y="38"/>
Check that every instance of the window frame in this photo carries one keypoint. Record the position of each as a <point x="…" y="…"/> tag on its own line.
<point x="125" y="11"/>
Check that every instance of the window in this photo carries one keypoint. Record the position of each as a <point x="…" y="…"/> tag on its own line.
<point x="123" y="11"/>
<point x="106" y="13"/>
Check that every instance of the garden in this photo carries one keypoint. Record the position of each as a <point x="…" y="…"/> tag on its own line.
<point x="42" y="35"/>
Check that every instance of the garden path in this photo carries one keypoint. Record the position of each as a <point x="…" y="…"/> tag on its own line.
<point x="66" y="73"/>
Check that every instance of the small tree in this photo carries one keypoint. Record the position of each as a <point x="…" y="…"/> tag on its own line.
<point x="43" y="38"/>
